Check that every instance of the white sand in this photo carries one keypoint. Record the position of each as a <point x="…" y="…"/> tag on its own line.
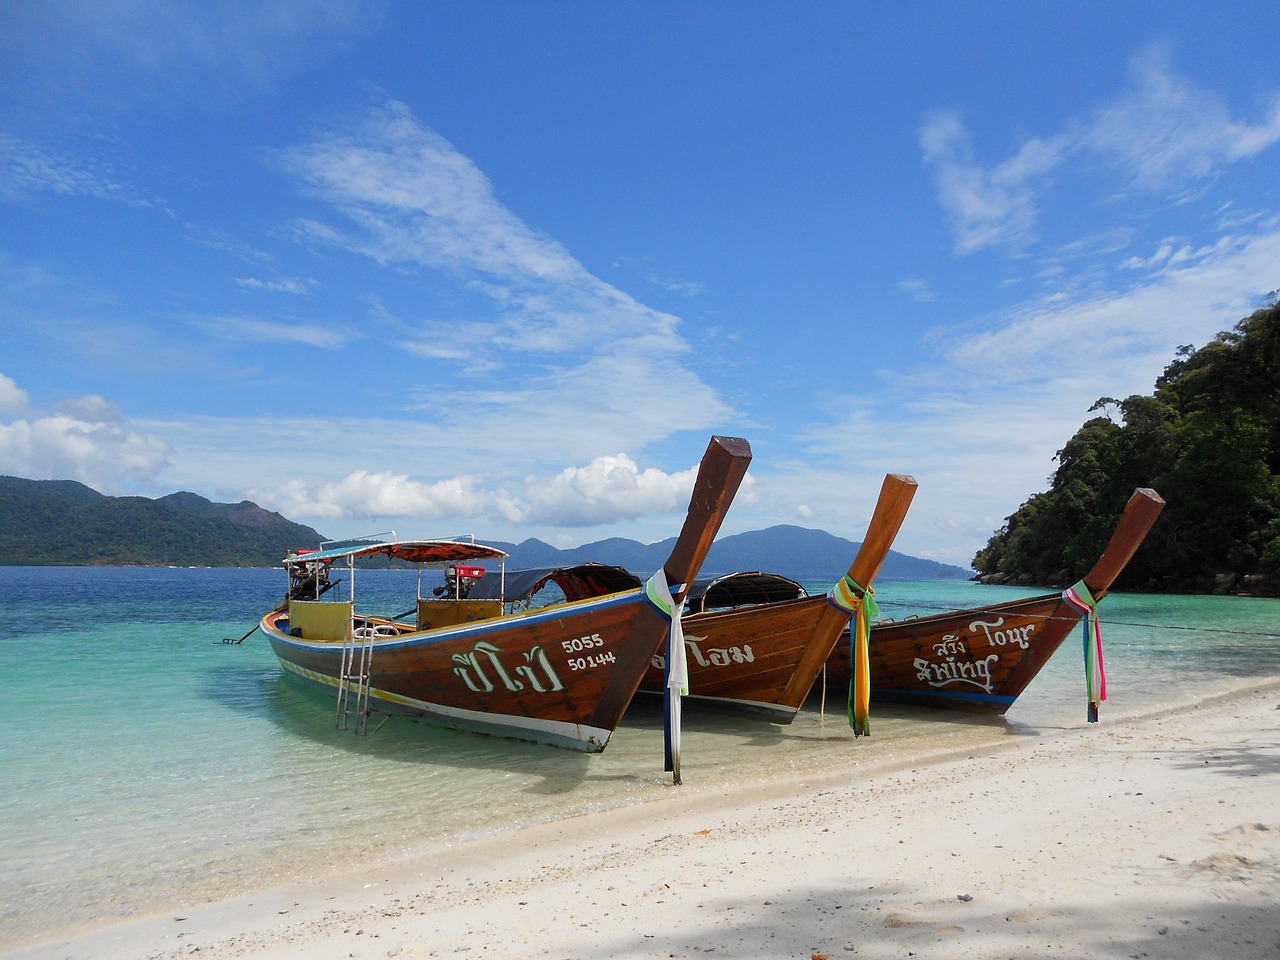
<point x="1143" y="837"/>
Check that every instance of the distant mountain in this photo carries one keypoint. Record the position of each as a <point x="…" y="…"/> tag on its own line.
<point x="63" y="522"/>
<point x="796" y="552"/>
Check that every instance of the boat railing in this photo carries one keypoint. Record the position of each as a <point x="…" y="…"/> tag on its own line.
<point x="385" y="536"/>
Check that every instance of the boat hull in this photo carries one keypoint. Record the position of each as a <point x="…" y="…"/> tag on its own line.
<point x="982" y="659"/>
<point x="561" y="676"/>
<point x="762" y="658"/>
<point x="977" y="660"/>
<point x="745" y="659"/>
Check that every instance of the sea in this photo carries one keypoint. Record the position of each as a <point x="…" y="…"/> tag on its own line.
<point x="154" y="755"/>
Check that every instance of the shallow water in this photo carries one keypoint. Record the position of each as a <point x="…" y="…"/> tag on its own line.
<point x="149" y="764"/>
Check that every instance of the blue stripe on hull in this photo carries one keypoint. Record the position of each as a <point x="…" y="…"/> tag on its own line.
<point x="989" y="702"/>
<point x="477" y="628"/>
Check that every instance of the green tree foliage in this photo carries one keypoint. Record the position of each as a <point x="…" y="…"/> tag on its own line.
<point x="1207" y="439"/>
<point x="65" y="522"/>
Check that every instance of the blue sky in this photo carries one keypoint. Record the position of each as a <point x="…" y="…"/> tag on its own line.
<point x="503" y="268"/>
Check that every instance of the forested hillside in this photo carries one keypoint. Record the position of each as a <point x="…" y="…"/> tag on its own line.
<point x="1207" y="440"/>
<point x="64" y="522"/>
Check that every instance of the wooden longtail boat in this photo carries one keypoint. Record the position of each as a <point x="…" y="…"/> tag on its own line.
<point x="562" y="675"/>
<point x="762" y="659"/>
<point x="983" y="658"/>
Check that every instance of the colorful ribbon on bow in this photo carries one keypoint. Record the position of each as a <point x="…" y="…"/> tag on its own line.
<point x="860" y="604"/>
<point x="676" y="684"/>
<point x="1081" y="600"/>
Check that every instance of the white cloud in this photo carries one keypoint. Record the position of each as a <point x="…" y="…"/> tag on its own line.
<point x="117" y="54"/>
<point x="255" y="330"/>
<point x="995" y="207"/>
<point x="1165" y="136"/>
<point x="86" y="439"/>
<point x="387" y="495"/>
<point x="567" y="365"/>
<point x="12" y="397"/>
<point x="295" y="285"/>
<point x="413" y="200"/>
<point x="1158" y="258"/>
<point x="26" y="167"/>
<point x="919" y="290"/>
<point x="1124" y="337"/>
<point x="979" y="422"/>
<point x="609" y="489"/>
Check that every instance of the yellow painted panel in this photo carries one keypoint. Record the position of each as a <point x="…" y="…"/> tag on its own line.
<point x="320" y="620"/>
<point x="447" y="613"/>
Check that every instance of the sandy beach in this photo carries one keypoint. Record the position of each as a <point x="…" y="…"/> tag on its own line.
<point x="1150" y="836"/>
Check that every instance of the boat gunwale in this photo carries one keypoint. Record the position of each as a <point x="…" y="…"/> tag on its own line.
<point x="419" y="638"/>
<point x="1006" y="606"/>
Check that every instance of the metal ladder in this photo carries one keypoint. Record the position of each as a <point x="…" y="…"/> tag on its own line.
<point x="357" y="664"/>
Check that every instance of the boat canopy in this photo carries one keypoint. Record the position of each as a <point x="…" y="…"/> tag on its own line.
<point x="579" y="582"/>
<point x="585" y="580"/>
<point x="411" y="551"/>
<point x="739" y="590"/>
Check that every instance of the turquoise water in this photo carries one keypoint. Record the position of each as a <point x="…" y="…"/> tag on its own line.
<point x="147" y="764"/>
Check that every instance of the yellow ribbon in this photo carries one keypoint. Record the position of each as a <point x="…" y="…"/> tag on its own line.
<point x="860" y="604"/>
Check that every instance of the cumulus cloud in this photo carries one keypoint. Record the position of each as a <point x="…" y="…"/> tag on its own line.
<point x="85" y="439"/>
<point x="388" y="495"/>
<point x="608" y="489"/>
<point x="12" y="397"/>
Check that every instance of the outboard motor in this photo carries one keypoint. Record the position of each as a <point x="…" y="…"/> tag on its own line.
<point x="458" y="581"/>
<point x="308" y="580"/>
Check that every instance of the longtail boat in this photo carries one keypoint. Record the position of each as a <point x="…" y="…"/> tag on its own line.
<point x="982" y="659"/>
<point x="561" y="675"/>
<point x="755" y="643"/>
